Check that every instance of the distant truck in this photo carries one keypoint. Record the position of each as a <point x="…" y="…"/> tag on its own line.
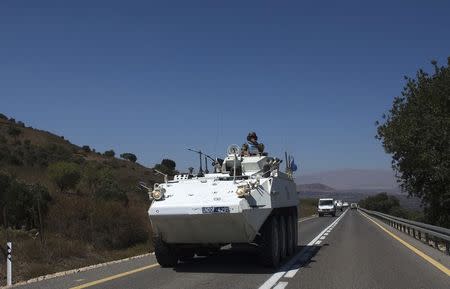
<point x="326" y="207"/>
<point x="354" y="206"/>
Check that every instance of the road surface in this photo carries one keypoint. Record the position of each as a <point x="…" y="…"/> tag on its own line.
<point x="347" y="251"/>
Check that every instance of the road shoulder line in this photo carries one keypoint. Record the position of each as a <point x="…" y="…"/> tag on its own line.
<point x="120" y="275"/>
<point x="418" y="252"/>
<point x="77" y="270"/>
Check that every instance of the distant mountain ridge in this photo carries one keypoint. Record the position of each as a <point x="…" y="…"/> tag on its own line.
<point x="353" y="180"/>
<point x="315" y="187"/>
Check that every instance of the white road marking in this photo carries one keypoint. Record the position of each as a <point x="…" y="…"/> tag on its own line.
<point x="286" y="268"/>
<point x="318" y="242"/>
<point x="281" y="285"/>
<point x="307" y="218"/>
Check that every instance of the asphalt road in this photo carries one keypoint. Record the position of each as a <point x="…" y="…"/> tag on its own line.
<point x="348" y="251"/>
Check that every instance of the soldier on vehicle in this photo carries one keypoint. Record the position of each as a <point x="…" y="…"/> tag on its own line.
<point x="253" y="148"/>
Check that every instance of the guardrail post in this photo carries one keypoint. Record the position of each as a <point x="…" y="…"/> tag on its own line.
<point x="420" y="235"/>
<point x="414" y="233"/>
<point x="427" y="240"/>
<point x="9" y="264"/>
<point x="447" y="248"/>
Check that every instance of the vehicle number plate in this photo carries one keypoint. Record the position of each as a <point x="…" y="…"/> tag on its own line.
<point x="217" y="210"/>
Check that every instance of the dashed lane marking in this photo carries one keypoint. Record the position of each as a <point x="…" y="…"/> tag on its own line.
<point x="115" y="277"/>
<point x="288" y="270"/>
<point x="307" y="218"/>
<point x="433" y="262"/>
<point x="281" y="285"/>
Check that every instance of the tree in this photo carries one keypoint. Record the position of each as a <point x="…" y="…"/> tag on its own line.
<point x="167" y="166"/>
<point x="129" y="156"/>
<point x="381" y="202"/>
<point x="86" y="149"/>
<point x="22" y="202"/>
<point x="109" y="153"/>
<point x="14" y="131"/>
<point x="101" y="183"/>
<point x="65" y="175"/>
<point x="416" y="132"/>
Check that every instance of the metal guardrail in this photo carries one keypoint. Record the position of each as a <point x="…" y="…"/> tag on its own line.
<point x="435" y="236"/>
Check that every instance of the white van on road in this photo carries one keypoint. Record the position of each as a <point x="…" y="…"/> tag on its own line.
<point x="326" y="206"/>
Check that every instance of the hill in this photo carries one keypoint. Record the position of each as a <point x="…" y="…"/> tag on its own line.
<point x="64" y="205"/>
<point x="361" y="180"/>
<point x="316" y="187"/>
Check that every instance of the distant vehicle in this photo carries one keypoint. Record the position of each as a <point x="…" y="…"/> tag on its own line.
<point x="354" y="206"/>
<point x="345" y="204"/>
<point x="339" y="205"/>
<point x="326" y="206"/>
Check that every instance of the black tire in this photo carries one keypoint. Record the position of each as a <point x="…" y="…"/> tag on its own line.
<point x="165" y="255"/>
<point x="290" y="247"/>
<point x="333" y="214"/>
<point x="320" y="215"/>
<point x="186" y="255"/>
<point x="283" y="236"/>
<point x="295" y="217"/>
<point x="269" y="254"/>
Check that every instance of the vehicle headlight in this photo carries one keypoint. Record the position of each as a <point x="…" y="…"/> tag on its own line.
<point x="158" y="194"/>
<point x="242" y="191"/>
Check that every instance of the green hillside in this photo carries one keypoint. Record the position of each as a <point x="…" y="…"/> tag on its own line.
<point x="65" y="205"/>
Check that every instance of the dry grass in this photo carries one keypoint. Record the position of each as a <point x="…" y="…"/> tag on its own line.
<point x="31" y="258"/>
<point x="307" y="207"/>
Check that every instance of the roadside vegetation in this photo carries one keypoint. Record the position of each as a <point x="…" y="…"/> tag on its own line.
<point x="416" y="132"/>
<point x="65" y="206"/>
<point x="390" y="205"/>
<point x="307" y="207"/>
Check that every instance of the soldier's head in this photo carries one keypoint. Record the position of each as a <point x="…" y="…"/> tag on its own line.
<point x="252" y="137"/>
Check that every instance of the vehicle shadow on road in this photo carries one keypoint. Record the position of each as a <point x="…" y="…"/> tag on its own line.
<point x="240" y="261"/>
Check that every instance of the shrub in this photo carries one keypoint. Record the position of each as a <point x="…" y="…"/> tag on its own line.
<point x="86" y="149"/>
<point x="109" y="153"/>
<point x="129" y="156"/>
<point x="167" y="166"/>
<point x="22" y="202"/>
<point x="65" y="175"/>
<point x="14" y="131"/>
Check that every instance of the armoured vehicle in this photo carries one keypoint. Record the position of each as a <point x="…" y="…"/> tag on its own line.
<point x="246" y="200"/>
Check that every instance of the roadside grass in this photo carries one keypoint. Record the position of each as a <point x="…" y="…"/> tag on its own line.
<point x="307" y="207"/>
<point x="33" y="258"/>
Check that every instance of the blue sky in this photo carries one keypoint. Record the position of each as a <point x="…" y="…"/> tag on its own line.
<point x="155" y="78"/>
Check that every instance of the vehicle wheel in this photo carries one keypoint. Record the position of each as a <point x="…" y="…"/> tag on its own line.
<point x="283" y="236"/>
<point x="320" y="215"/>
<point x="333" y="214"/>
<point x="186" y="255"/>
<point x="290" y="247"/>
<point x="270" y="246"/>
<point x="165" y="255"/>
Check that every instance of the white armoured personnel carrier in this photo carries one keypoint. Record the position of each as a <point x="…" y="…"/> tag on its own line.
<point x="247" y="200"/>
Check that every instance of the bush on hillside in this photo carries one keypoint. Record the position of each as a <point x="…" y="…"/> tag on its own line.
<point x="22" y="202"/>
<point x="129" y="156"/>
<point x="167" y="166"/>
<point x="65" y="175"/>
<point x="86" y="149"/>
<point x="14" y="131"/>
<point x="109" y="153"/>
